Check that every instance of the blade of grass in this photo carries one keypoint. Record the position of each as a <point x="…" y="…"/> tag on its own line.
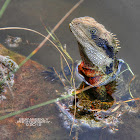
<point x="49" y="35"/>
<point x="59" y="77"/>
<point x="4" y="7"/>
<point x="62" y="51"/>
<point x="62" y="68"/>
<point x="46" y="37"/>
<point x="53" y="30"/>
<point x="34" y="107"/>
<point x="134" y="99"/>
<point x="21" y="28"/>
<point x="131" y="79"/>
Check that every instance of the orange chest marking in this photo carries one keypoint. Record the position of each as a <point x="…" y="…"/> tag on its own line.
<point x="91" y="76"/>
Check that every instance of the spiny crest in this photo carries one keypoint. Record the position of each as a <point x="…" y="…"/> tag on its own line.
<point x="117" y="42"/>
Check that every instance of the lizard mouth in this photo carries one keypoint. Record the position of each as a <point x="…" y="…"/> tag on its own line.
<point x="70" y="26"/>
<point x="73" y="25"/>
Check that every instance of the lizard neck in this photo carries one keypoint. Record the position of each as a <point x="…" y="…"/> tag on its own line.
<point x="91" y="73"/>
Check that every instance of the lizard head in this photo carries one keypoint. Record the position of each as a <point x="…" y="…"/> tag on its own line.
<point x="97" y="45"/>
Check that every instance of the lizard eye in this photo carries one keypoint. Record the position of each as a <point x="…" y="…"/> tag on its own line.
<point x="93" y="31"/>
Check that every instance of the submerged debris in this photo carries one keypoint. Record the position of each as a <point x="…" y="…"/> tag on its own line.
<point x="2" y="97"/>
<point x="13" y="41"/>
<point x="7" y="68"/>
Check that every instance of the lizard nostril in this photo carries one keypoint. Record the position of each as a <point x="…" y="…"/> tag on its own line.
<point x="77" y="23"/>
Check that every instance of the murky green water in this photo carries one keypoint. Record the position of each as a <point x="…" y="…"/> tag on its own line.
<point x="120" y="17"/>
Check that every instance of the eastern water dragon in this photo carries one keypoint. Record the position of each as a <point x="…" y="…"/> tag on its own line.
<point x="98" y="69"/>
<point x="98" y="48"/>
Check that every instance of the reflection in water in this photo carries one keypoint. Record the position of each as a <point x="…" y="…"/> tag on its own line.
<point x="97" y="107"/>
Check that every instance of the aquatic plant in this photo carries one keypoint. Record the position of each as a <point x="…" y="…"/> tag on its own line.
<point x="2" y="10"/>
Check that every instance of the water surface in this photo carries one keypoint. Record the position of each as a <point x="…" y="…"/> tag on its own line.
<point x="120" y="17"/>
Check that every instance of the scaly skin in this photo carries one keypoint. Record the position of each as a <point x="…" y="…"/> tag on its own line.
<point x="98" y="48"/>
